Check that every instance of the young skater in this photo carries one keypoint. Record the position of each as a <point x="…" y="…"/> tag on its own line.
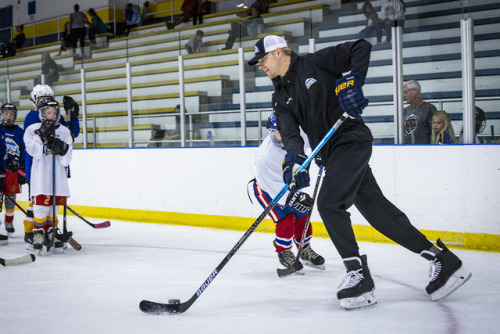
<point x="50" y="145"/>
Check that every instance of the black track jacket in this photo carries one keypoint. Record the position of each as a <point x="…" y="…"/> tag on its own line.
<point x="305" y="96"/>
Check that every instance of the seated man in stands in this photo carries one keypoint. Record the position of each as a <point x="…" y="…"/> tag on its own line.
<point x="261" y="5"/>
<point x="9" y="49"/>
<point x="97" y="26"/>
<point x="49" y="70"/>
<point x="417" y="116"/>
<point x="189" y="9"/>
<point x="253" y="26"/>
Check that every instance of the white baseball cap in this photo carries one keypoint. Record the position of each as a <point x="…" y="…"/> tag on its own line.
<point x="266" y="45"/>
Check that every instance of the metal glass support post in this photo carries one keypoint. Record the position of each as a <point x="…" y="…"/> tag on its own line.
<point x="397" y="80"/>
<point x="243" y="114"/>
<point x="182" y="98"/>
<point x="312" y="45"/>
<point x="130" y="118"/>
<point x="84" y="108"/>
<point x="468" y="79"/>
<point x="8" y="94"/>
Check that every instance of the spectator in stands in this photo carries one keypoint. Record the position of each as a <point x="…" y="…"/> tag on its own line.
<point x="261" y="5"/>
<point x="147" y="16"/>
<point x="65" y="39"/>
<point x="390" y="11"/>
<point x="132" y="17"/>
<point x="204" y="8"/>
<point x="10" y="49"/>
<point x="97" y="26"/>
<point x="252" y="26"/>
<point x="195" y="43"/>
<point x="189" y="9"/>
<point x="417" y="117"/>
<point x="480" y="126"/>
<point x="49" y="69"/>
<point x="77" y="22"/>
<point x="371" y="21"/>
<point x="442" y="130"/>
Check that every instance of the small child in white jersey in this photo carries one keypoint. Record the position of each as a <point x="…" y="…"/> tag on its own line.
<point x="50" y="145"/>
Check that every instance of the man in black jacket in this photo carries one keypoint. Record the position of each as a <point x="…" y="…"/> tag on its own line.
<point x="311" y="92"/>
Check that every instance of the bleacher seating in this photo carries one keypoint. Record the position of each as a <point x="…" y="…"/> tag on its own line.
<point x="431" y="54"/>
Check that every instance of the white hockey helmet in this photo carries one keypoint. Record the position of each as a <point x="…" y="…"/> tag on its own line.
<point x="39" y="91"/>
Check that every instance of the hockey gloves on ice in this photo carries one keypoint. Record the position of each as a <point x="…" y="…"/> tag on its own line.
<point x="46" y="130"/>
<point x="350" y="94"/>
<point x="57" y="146"/>
<point x="71" y="107"/>
<point x="300" y="201"/>
<point x="291" y="163"/>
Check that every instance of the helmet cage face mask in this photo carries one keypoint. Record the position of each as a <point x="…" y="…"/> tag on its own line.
<point x="48" y="102"/>
<point x="11" y="107"/>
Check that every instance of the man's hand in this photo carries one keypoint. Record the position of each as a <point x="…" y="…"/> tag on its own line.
<point x="350" y="94"/>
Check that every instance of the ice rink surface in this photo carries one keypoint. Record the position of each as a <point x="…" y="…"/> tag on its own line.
<point x="98" y="289"/>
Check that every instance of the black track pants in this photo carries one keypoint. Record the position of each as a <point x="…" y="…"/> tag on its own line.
<point x="349" y="180"/>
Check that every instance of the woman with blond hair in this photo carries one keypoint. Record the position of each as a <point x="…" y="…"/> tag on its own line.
<point x="442" y="130"/>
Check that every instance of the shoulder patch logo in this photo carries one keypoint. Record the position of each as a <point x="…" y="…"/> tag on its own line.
<point x="309" y="82"/>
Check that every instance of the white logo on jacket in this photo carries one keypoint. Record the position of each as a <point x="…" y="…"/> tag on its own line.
<point x="309" y="82"/>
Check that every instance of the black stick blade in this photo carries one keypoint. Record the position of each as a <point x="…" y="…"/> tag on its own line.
<point x="149" y="307"/>
<point x="288" y="271"/>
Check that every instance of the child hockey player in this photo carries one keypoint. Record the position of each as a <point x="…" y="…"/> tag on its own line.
<point x="15" y="151"/>
<point x="72" y="111"/>
<point x="50" y="145"/>
<point x="290" y="221"/>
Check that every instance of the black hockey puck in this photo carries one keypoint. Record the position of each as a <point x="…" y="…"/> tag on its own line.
<point x="174" y="301"/>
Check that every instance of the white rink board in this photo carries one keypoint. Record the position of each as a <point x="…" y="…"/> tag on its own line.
<point x="443" y="188"/>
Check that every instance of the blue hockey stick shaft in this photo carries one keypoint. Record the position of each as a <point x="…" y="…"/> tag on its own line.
<point x="313" y="154"/>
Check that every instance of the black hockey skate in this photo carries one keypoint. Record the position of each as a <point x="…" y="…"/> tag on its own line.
<point x="28" y="239"/>
<point x="9" y="227"/>
<point x="4" y="240"/>
<point x="312" y="258"/>
<point x="287" y="259"/>
<point x="356" y="291"/>
<point x="446" y="272"/>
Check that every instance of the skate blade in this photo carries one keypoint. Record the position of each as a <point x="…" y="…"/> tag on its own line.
<point x="57" y="250"/>
<point x="29" y="248"/>
<point x="43" y="251"/>
<point x="4" y="242"/>
<point x="355" y="303"/>
<point x="454" y="282"/>
<point x="312" y="265"/>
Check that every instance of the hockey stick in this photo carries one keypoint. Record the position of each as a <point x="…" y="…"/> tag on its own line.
<point x="100" y="225"/>
<point x="69" y="235"/>
<point x="174" y="305"/>
<point x="25" y="259"/>
<point x="53" y="236"/>
<point x="20" y="207"/>
<point x="295" y="267"/>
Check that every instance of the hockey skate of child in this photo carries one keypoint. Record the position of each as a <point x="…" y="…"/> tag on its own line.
<point x="290" y="221"/>
<point x="15" y="152"/>
<point x="50" y="145"/>
<point x="312" y="93"/>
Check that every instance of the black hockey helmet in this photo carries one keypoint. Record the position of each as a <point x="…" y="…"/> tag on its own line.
<point x="47" y="102"/>
<point x="480" y="120"/>
<point x="9" y="106"/>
